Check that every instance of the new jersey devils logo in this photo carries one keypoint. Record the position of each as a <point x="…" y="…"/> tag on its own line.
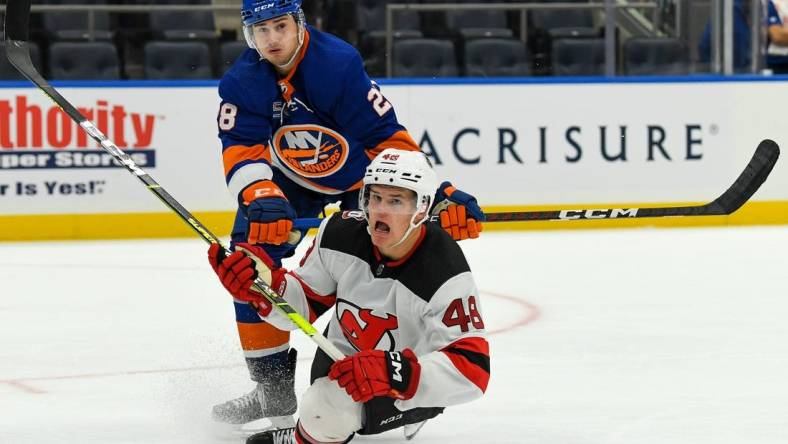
<point x="364" y="329"/>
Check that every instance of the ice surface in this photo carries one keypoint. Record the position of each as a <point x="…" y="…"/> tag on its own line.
<point x="606" y="336"/>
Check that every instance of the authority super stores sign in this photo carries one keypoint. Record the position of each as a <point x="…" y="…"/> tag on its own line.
<point x="49" y="165"/>
<point x="518" y="144"/>
<point x="46" y="137"/>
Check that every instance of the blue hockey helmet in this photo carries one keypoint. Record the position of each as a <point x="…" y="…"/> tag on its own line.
<point x="254" y="11"/>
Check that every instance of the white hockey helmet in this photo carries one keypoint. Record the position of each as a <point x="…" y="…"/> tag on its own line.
<point x="405" y="169"/>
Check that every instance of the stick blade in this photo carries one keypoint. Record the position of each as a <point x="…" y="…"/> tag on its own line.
<point x="750" y="179"/>
<point x="17" y="18"/>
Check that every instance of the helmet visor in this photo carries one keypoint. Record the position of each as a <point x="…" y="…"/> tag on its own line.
<point x="388" y="199"/>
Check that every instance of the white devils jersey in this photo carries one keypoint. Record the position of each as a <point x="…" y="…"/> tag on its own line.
<point x="427" y="302"/>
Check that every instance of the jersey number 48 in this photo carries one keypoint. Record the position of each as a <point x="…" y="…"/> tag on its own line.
<point x="457" y="315"/>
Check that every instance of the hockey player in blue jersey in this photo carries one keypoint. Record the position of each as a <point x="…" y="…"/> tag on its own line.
<point x="299" y="122"/>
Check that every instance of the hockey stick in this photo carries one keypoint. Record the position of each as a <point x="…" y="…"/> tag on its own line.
<point x="748" y="182"/>
<point x="17" y="18"/>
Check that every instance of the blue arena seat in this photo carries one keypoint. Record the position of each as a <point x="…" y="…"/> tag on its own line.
<point x="470" y="24"/>
<point x="183" y="25"/>
<point x="177" y="60"/>
<point x="496" y="57"/>
<point x="564" y="23"/>
<point x="578" y="57"/>
<point x="75" y="25"/>
<point x="655" y="56"/>
<point x="228" y="53"/>
<point x="371" y="22"/>
<point x="424" y="58"/>
<point x="83" y="61"/>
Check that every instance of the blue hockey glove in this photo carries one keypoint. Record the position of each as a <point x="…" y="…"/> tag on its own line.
<point x="268" y="212"/>
<point x="458" y="211"/>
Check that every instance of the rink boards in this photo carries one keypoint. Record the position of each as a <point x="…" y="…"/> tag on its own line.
<point x="518" y="144"/>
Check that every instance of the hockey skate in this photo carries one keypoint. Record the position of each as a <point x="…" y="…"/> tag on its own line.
<point x="283" y="436"/>
<point x="287" y="435"/>
<point x="269" y="406"/>
<point x="255" y="405"/>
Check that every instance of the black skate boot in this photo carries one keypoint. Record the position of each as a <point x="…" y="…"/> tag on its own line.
<point x="273" y="398"/>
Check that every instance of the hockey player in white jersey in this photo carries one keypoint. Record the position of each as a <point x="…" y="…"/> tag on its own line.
<point x="406" y="310"/>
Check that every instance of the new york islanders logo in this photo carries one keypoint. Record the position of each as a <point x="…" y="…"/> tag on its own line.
<point x="364" y="329"/>
<point x="311" y="150"/>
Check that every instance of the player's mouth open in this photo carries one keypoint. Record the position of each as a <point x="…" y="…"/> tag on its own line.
<point x="381" y="227"/>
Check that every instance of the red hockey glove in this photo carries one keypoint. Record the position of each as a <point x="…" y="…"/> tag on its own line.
<point x="238" y="271"/>
<point x="459" y="213"/>
<point x="372" y="373"/>
<point x="269" y="213"/>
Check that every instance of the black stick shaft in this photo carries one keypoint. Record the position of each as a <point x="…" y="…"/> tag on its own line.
<point x="748" y="182"/>
<point x="732" y="199"/>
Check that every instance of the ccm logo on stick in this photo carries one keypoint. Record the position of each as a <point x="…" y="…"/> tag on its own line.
<point x="614" y="213"/>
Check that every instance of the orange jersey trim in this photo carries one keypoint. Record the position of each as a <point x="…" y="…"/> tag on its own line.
<point x="263" y="188"/>
<point x="238" y="153"/>
<point x="356" y="185"/>
<point x="400" y="140"/>
<point x="261" y="336"/>
<point x="289" y="90"/>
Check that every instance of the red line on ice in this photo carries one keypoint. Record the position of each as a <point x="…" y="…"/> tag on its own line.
<point x="530" y="313"/>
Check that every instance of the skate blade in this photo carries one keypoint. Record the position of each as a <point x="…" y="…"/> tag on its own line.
<point x="239" y="432"/>
<point x="281" y="436"/>
<point x="410" y="430"/>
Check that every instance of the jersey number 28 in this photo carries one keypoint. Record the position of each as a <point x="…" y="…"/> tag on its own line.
<point x="379" y="103"/>
<point x="227" y="116"/>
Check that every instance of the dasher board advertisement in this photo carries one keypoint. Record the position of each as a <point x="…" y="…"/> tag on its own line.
<point x="509" y="144"/>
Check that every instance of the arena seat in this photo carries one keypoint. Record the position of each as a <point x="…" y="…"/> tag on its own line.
<point x="183" y="25"/>
<point x="424" y="58"/>
<point x="655" y="56"/>
<point x="177" y="60"/>
<point x="83" y="61"/>
<point x="371" y="21"/>
<point x="496" y="57"/>
<point x="578" y="57"/>
<point x="75" y="25"/>
<point x="228" y="53"/>
<point x="564" y="23"/>
<point x="471" y="24"/>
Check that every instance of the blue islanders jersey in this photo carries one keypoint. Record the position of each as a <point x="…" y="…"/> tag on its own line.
<point x="776" y="54"/>
<point x="320" y="126"/>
